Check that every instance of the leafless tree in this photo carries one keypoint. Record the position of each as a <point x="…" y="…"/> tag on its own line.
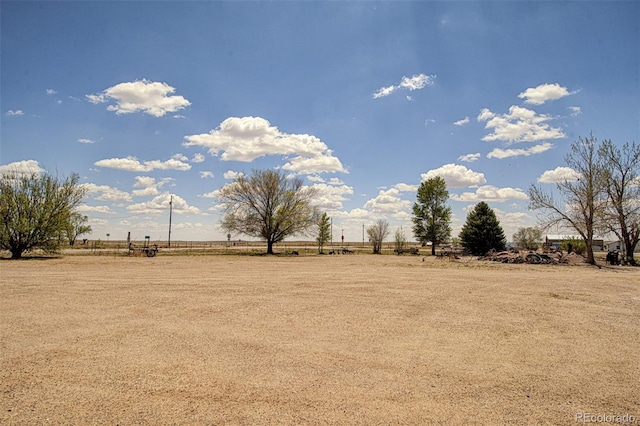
<point x="583" y="198"/>
<point x="622" y="173"/>
<point x="377" y="233"/>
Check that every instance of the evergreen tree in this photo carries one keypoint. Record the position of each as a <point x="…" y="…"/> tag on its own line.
<point x="482" y="231"/>
<point x="431" y="215"/>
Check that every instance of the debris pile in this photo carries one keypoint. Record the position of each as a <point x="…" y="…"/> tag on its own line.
<point x="513" y="256"/>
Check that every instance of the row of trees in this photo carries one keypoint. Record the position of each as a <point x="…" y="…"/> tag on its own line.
<point x="39" y="210"/>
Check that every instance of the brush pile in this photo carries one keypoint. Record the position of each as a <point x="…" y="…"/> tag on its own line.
<point x="514" y="256"/>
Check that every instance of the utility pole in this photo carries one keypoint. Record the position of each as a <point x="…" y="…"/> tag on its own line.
<point x="170" y="215"/>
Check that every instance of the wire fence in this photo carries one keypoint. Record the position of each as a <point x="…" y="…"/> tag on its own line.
<point x="119" y="247"/>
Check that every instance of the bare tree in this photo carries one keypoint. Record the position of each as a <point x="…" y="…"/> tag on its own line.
<point x="377" y="233"/>
<point x="400" y="239"/>
<point x="268" y="205"/>
<point x="583" y="198"/>
<point x="622" y="173"/>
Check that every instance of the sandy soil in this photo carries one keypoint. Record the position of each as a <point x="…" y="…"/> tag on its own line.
<point x="357" y="339"/>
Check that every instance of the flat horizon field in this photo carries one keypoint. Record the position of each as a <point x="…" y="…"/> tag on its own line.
<point x="355" y="339"/>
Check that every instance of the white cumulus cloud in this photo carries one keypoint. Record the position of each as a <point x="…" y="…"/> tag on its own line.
<point x="231" y="175"/>
<point x="456" y="176"/>
<point x="149" y="186"/>
<point x="558" y="175"/>
<point x="132" y="164"/>
<point x="150" y="97"/>
<point x="462" y="122"/>
<point x="160" y="204"/>
<point x="22" y="167"/>
<point x="524" y="152"/>
<point x="106" y="193"/>
<point x="95" y="209"/>
<point x="491" y="193"/>
<point x="330" y="197"/>
<point x="388" y="202"/>
<point x="518" y="125"/>
<point x="12" y="112"/>
<point x="248" y="138"/>
<point x="469" y="158"/>
<point x="543" y="93"/>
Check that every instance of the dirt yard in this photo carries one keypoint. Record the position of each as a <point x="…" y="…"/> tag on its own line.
<point x="357" y="339"/>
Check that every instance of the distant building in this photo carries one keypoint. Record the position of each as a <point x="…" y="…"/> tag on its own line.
<point x="619" y="246"/>
<point x="557" y="240"/>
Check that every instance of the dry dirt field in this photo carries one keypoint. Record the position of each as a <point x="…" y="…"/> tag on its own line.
<point x="354" y="339"/>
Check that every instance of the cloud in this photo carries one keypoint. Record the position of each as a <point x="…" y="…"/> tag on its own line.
<point x="354" y="214"/>
<point x="149" y="186"/>
<point x="212" y="194"/>
<point x="543" y="93"/>
<point x="462" y="122"/>
<point x="491" y="193"/>
<point x="231" y="175"/>
<point x="404" y="187"/>
<point x="51" y="92"/>
<point x="160" y="204"/>
<point x="387" y="202"/>
<point x="330" y="197"/>
<point x="456" y="176"/>
<point x="95" y="209"/>
<point x="506" y="153"/>
<point x="319" y="164"/>
<point x="416" y="82"/>
<point x="22" y="167"/>
<point x="149" y="97"/>
<point x="132" y="164"/>
<point x="197" y="158"/>
<point x="519" y="125"/>
<point x="469" y="158"/>
<point x="205" y="175"/>
<point x="106" y="192"/>
<point x="559" y="175"/>
<point x="248" y="138"/>
<point x="575" y="111"/>
<point x="84" y="140"/>
<point x="12" y="113"/>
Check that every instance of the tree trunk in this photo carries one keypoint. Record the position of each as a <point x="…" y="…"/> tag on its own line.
<point x="16" y="253"/>
<point x="589" y="249"/>
<point x="433" y="249"/>
<point x="630" y="248"/>
<point x="269" y="247"/>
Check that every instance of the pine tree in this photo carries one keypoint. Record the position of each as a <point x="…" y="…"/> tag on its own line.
<point x="431" y="215"/>
<point x="482" y="231"/>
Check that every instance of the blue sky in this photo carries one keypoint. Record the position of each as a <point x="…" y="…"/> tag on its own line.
<point x="364" y="100"/>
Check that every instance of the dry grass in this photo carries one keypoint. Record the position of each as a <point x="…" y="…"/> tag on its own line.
<point x="315" y="340"/>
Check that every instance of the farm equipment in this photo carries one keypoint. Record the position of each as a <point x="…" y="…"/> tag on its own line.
<point x="148" y="249"/>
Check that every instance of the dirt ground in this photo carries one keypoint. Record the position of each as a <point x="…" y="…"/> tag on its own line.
<point x="354" y="339"/>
